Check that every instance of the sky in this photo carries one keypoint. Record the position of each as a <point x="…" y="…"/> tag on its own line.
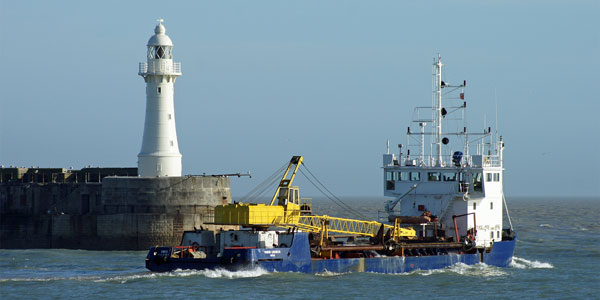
<point x="329" y="80"/>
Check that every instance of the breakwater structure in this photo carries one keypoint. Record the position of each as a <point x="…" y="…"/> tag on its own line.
<point x="103" y="208"/>
<point x="116" y="208"/>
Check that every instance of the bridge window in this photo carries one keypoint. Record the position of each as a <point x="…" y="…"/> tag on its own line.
<point x="497" y="177"/>
<point x="433" y="176"/>
<point x="389" y="181"/>
<point x="477" y="182"/>
<point x="403" y="176"/>
<point x="449" y="176"/>
<point x="389" y="176"/>
<point x="415" y="176"/>
<point x="489" y="177"/>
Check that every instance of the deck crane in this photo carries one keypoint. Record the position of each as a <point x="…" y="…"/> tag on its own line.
<point x="290" y="212"/>
<point x="282" y="193"/>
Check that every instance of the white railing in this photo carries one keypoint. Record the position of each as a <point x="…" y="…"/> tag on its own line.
<point x="431" y="161"/>
<point x="160" y="67"/>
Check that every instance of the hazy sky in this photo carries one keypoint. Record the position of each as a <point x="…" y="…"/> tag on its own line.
<point x="330" y="80"/>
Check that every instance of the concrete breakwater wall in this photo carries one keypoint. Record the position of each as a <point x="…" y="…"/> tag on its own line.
<point x="117" y="213"/>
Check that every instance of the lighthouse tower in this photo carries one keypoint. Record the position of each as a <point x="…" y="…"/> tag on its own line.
<point x="160" y="152"/>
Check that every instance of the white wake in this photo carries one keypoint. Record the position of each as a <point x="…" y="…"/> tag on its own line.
<point x="521" y="263"/>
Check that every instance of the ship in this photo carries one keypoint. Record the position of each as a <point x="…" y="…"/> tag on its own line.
<point x="445" y="209"/>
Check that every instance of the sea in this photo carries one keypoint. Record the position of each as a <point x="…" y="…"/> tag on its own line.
<point x="557" y="257"/>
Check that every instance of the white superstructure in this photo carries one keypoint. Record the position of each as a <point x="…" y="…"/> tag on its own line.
<point x="449" y="180"/>
<point x="160" y="152"/>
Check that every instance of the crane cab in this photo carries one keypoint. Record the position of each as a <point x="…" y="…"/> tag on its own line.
<point x="289" y="195"/>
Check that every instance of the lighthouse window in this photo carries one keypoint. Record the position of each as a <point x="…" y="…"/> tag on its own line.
<point x="474" y="205"/>
<point x="159" y="52"/>
<point x="150" y="52"/>
<point x="433" y="176"/>
<point x="415" y="176"/>
<point x="159" y="90"/>
<point x="171" y="143"/>
<point x="169" y="116"/>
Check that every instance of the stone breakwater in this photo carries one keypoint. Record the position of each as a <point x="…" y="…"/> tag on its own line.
<point x="105" y="212"/>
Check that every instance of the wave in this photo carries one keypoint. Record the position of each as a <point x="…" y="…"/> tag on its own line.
<point x="221" y="273"/>
<point x="478" y="270"/>
<point x="46" y="279"/>
<point x="546" y="225"/>
<point x="218" y="273"/>
<point x="521" y="263"/>
<point x="328" y="273"/>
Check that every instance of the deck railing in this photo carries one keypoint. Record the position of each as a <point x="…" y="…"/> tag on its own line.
<point x="160" y="67"/>
<point x="431" y="161"/>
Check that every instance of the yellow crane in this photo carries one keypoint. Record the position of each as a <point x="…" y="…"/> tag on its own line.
<point x="288" y="213"/>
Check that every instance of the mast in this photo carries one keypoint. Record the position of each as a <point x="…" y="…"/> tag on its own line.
<point x="438" y="111"/>
<point x="422" y="124"/>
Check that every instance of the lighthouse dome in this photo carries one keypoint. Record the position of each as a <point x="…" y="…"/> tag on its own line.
<point x="160" y="38"/>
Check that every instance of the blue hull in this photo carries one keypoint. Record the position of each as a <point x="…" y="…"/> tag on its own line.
<point x="297" y="258"/>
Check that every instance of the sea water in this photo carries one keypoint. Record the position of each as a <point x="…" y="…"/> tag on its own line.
<point x="557" y="257"/>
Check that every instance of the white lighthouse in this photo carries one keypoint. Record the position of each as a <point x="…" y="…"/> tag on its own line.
<point x="160" y="152"/>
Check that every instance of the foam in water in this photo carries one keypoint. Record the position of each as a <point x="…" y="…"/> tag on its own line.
<point x="479" y="270"/>
<point x="217" y="273"/>
<point x="126" y="278"/>
<point x="521" y="263"/>
<point x="328" y="273"/>
<point x="46" y="279"/>
<point x="221" y="273"/>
